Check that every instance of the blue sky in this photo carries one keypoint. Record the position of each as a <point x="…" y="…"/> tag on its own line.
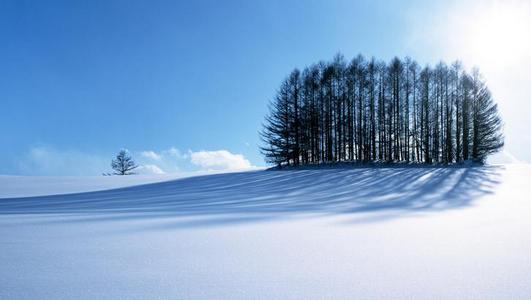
<point x="80" y="80"/>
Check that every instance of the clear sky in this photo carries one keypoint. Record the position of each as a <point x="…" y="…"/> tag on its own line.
<point x="185" y="85"/>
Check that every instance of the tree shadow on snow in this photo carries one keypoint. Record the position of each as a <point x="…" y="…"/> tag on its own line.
<point x="220" y="199"/>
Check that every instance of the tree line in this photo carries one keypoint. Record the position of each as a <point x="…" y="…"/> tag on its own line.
<point x="372" y="111"/>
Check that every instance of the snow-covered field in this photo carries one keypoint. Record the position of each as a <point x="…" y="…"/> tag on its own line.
<point x="28" y="186"/>
<point x="393" y="233"/>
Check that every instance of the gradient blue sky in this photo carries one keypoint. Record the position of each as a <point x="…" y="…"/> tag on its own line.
<point x="82" y="79"/>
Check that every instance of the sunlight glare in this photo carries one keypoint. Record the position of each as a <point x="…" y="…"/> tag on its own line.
<point x="497" y="35"/>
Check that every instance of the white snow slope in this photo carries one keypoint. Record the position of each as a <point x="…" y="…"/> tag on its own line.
<point x="387" y="233"/>
<point x="27" y="186"/>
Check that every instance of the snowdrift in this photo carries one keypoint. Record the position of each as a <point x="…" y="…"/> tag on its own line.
<point x="364" y="233"/>
<point x="280" y="192"/>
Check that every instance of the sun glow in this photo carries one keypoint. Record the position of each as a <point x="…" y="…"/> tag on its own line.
<point x="498" y="35"/>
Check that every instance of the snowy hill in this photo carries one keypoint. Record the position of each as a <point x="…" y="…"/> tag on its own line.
<point x="359" y="233"/>
<point x="29" y="186"/>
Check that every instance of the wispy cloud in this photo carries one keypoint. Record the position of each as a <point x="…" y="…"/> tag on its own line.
<point x="150" y="155"/>
<point x="46" y="160"/>
<point x="150" y="169"/>
<point x="170" y="160"/>
<point x="175" y="153"/>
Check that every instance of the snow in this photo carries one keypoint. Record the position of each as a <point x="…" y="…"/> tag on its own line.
<point x="373" y="233"/>
<point x="29" y="186"/>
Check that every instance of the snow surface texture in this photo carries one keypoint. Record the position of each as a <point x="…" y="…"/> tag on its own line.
<point x="28" y="186"/>
<point x="390" y="233"/>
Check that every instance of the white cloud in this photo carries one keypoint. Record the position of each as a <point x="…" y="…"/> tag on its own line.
<point x="150" y="169"/>
<point x="172" y="159"/>
<point x="219" y="160"/>
<point x="150" y="155"/>
<point x="49" y="161"/>
<point x="167" y="161"/>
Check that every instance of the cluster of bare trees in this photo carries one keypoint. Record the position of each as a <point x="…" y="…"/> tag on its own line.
<point x="367" y="110"/>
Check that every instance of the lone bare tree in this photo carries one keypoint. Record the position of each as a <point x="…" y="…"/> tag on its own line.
<point x="123" y="164"/>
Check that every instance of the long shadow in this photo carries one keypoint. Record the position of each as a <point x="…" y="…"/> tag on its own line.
<point x="273" y="194"/>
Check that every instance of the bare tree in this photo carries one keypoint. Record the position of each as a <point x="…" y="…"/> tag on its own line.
<point x="487" y="137"/>
<point x="123" y="164"/>
<point x="368" y="111"/>
<point x="276" y="132"/>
